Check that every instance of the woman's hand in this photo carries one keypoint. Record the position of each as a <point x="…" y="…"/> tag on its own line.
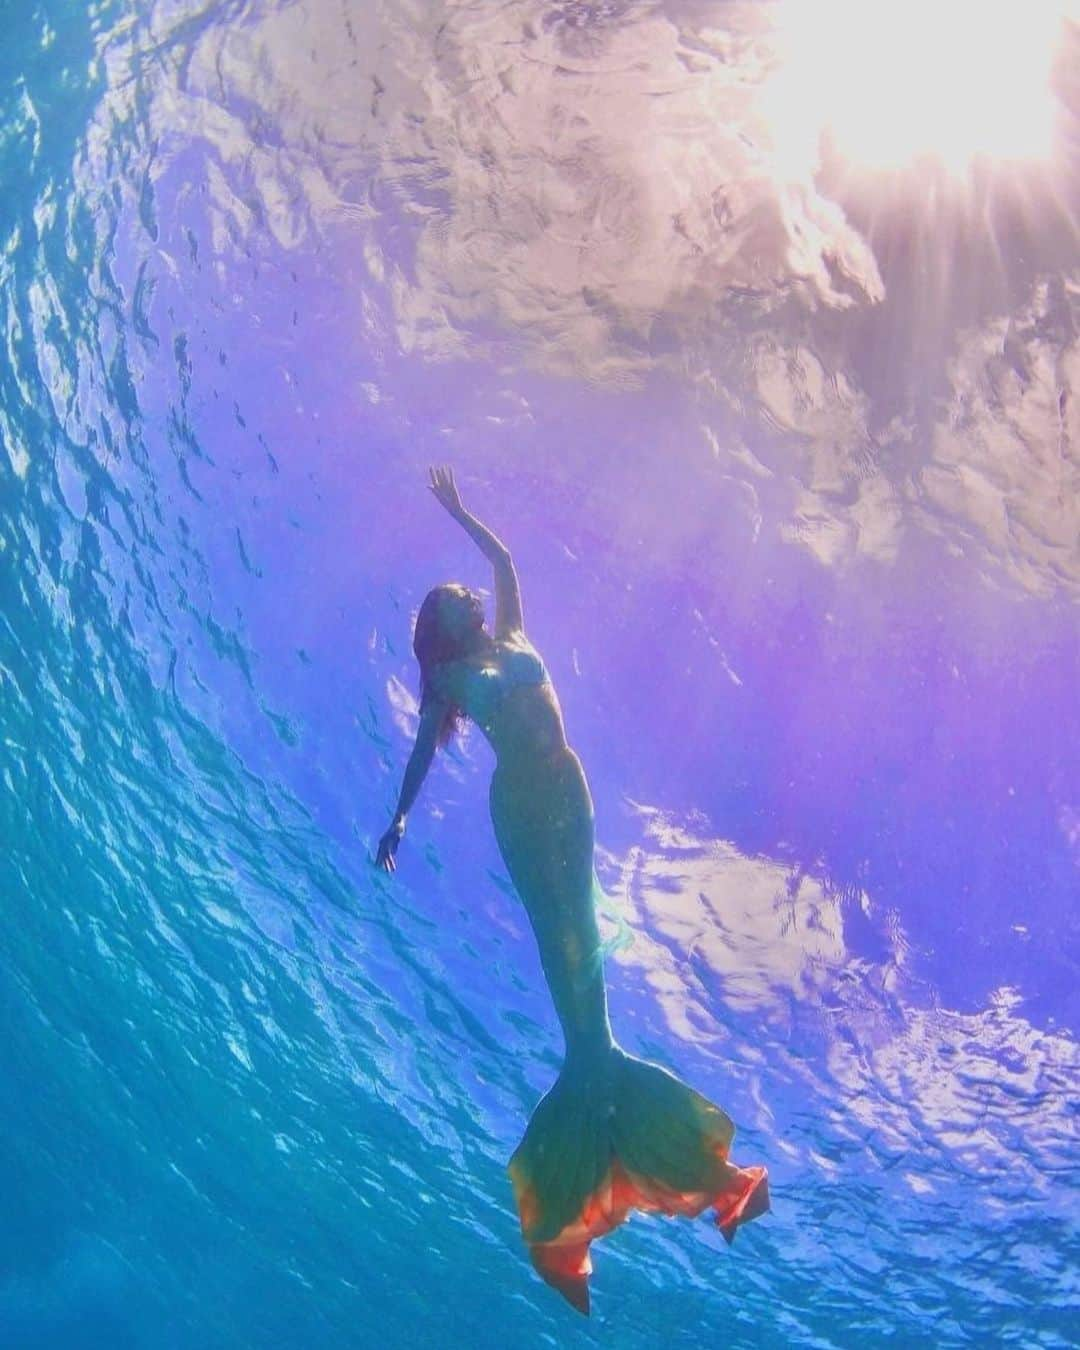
<point x="445" y="489"/>
<point x="388" y="846"/>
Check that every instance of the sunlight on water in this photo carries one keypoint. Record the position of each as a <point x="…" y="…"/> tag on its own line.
<point x="893" y="83"/>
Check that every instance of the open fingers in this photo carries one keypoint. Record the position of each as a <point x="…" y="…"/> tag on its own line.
<point x="442" y="484"/>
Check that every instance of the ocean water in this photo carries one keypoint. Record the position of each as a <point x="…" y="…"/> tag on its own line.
<point x="787" y="453"/>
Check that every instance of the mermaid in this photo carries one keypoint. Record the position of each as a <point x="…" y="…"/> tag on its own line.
<point x="614" y="1133"/>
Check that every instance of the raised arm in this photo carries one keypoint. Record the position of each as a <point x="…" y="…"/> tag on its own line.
<point x="507" y="591"/>
<point x="423" y="752"/>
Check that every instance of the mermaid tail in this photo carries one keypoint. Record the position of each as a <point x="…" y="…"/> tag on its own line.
<point x="617" y="1134"/>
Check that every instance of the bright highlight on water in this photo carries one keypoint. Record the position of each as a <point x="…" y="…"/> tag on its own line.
<point x="893" y="84"/>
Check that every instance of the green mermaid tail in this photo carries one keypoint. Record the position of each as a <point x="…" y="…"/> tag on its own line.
<point x="614" y="1135"/>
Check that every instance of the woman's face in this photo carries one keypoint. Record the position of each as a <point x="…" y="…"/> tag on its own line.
<point x="460" y="612"/>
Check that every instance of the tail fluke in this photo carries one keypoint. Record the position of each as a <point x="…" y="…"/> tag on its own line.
<point x="622" y="1135"/>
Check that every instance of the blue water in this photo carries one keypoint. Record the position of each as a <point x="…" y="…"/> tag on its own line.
<point x="790" y="474"/>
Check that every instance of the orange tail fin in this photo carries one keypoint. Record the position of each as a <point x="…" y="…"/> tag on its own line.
<point x="625" y="1135"/>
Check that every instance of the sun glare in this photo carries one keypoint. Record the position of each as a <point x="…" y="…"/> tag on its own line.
<point x="892" y="81"/>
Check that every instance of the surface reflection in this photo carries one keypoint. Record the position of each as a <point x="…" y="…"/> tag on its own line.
<point x="929" y="1121"/>
<point x="609" y="191"/>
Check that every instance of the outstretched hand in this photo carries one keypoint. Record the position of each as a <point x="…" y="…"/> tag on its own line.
<point x="388" y="847"/>
<point x="445" y="489"/>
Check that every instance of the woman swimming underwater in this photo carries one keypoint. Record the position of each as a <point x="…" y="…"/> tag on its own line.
<point x="614" y="1133"/>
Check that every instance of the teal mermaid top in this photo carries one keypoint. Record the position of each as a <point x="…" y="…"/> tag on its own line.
<point x="489" y="684"/>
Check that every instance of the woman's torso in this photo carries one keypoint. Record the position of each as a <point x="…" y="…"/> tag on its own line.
<point x="507" y="692"/>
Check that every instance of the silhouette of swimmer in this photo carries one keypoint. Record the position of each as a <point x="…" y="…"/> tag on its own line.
<point x="614" y="1133"/>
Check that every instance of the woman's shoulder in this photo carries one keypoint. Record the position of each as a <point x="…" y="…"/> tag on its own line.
<point x="450" y="679"/>
<point x="520" y="659"/>
<point x="514" y="640"/>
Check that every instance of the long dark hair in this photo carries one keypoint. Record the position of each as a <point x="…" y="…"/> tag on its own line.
<point x="433" y="646"/>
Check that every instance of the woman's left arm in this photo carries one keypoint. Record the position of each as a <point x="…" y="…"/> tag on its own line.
<point x="508" y="617"/>
<point x="423" y="752"/>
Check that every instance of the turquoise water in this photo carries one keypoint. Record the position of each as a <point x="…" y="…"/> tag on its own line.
<point x="800" y="550"/>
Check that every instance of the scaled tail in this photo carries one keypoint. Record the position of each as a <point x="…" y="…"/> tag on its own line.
<point x="618" y="1135"/>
